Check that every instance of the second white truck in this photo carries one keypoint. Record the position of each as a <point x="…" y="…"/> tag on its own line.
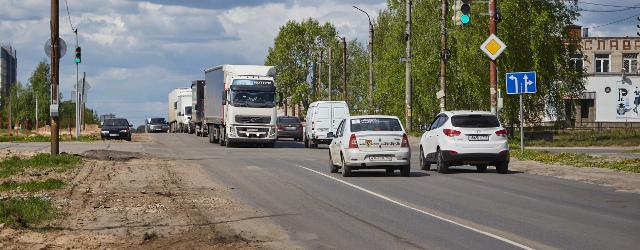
<point x="179" y="110"/>
<point x="240" y="105"/>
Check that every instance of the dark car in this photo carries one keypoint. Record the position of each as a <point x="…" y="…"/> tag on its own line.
<point x="116" y="128"/>
<point x="157" y="125"/>
<point x="289" y="127"/>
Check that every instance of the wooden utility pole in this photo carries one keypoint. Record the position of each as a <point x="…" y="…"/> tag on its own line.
<point x="330" y="60"/>
<point x="344" y="68"/>
<point x="407" y="78"/>
<point x="55" y="69"/>
<point x="493" y="29"/>
<point x="443" y="55"/>
<point x="371" y="108"/>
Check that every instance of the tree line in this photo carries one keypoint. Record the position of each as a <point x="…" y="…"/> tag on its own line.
<point x="20" y="103"/>
<point x="535" y="33"/>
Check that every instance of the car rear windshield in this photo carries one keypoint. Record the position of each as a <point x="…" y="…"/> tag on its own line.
<point x="116" y="122"/>
<point x="288" y="120"/>
<point x="375" y="124"/>
<point x="475" y="121"/>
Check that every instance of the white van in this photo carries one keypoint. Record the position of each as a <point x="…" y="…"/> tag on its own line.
<point x="323" y="117"/>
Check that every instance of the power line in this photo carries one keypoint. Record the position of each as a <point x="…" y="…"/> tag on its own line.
<point x="616" y="21"/>
<point x="602" y="11"/>
<point x="610" y="5"/>
<point x="69" y="15"/>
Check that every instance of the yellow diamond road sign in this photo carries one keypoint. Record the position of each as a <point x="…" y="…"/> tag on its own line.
<point x="493" y="47"/>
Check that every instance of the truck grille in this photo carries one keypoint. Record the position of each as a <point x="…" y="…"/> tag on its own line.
<point x="253" y="119"/>
<point x="249" y="132"/>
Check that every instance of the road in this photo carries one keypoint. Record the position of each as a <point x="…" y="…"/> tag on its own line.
<point x="461" y="210"/>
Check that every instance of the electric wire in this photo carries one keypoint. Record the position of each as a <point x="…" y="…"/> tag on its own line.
<point x="616" y="21"/>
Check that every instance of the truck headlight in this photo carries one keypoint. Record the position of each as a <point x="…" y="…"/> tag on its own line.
<point x="273" y="131"/>
<point x="232" y="131"/>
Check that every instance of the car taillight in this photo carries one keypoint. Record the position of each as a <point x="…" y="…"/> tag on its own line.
<point x="353" y="141"/>
<point x="405" y="141"/>
<point x="501" y="132"/>
<point x="451" y="132"/>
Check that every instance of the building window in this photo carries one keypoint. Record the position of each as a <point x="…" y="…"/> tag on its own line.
<point x="630" y="63"/>
<point x="584" y="108"/>
<point x="577" y="62"/>
<point x="602" y="63"/>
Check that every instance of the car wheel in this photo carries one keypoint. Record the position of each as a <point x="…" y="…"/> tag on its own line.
<point x="502" y="167"/>
<point x="481" y="168"/>
<point x="346" y="169"/>
<point x="424" y="165"/>
<point x="405" y="171"/>
<point x="442" y="165"/>
<point x="390" y="171"/>
<point x="332" y="167"/>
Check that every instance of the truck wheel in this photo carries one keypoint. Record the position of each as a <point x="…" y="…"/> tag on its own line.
<point x="211" y="139"/>
<point x="222" y="136"/>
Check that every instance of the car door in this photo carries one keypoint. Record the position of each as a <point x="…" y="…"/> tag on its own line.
<point x="336" y="143"/>
<point x="431" y="137"/>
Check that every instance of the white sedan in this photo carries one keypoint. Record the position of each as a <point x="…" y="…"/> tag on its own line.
<point x="370" y="142"/>
<point x="465" y="138"/>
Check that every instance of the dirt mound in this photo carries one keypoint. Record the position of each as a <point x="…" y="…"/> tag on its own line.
<point x="112" y="155"/>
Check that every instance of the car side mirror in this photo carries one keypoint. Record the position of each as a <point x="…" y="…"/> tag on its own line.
<point x="331" y="135"/>
<point x="131" y="125"/>
<point x="425" y="128"/>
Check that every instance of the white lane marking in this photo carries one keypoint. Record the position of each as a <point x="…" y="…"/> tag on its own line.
<point x="497" y="237"/>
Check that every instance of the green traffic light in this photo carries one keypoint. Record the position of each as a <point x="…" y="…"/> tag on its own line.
<point x="77" y="60"/>
<point x="465" y="19"/>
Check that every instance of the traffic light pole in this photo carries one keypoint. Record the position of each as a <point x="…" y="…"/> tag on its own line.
<point x="493" y="75"/>
<point x="77" y="135"/>
<point x="55" y="69"/>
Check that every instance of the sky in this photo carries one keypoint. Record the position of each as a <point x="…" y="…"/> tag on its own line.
<point x="135" y="52"/>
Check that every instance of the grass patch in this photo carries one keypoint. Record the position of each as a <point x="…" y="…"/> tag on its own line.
<point x="41" y="161"/>
<point x="568" y="138"/>
<point x="33" y="186"/>
<point x="25" y="212"/>
<point x="578" y="160"/>
<point x="44" y="138"/>
<point x="633" y="151"/>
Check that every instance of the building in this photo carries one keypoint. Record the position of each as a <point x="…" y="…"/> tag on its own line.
<point x="612" y="84"/>
<point x="8" y="68"/>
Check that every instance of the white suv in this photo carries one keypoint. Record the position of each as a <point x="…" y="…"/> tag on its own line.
<point x="459" y="138"/>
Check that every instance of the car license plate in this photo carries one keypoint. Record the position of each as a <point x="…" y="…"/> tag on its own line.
<point x="290" y="128"/>
<point x="478" y="137"/>
<point x="379" y="158"/>
<point x="114" y="135"/>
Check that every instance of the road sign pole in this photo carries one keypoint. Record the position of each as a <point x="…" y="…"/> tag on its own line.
<point x="493" y="64"/>
<point x="77" y="135"/>
<point x="521" y="125"/>
<point x="55" y="60"/>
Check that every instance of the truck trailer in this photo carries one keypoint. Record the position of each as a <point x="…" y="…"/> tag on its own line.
<point x="197" y="115"/>
<point x="240" y="105"/>
<point x="179" y="110"/>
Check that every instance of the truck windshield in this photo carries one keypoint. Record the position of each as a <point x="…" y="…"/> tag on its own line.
<point x="253" y="99"/>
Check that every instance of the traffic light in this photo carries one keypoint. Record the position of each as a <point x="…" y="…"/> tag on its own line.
<point x="462" y="12"/>
<point x="465" y="18"/>
<point x="78" y="54"/>
<point x="638" y="25"/>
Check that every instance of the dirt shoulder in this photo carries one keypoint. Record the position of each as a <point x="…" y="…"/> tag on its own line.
<point x="619" y="180"/>
<point x="133" y="201"/>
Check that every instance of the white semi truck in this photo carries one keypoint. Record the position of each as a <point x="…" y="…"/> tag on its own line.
<point x="240" y="105"/>
<point x="179" y="110"/>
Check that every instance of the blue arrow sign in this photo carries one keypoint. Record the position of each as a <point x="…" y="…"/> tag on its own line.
<point x="521" y="82"/>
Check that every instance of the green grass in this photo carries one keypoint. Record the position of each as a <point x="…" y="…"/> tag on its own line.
<point x="633" y="151"/>
<point x="578" y="160"/>
<point x="41" y="161"/>
<point x="25" y="212"/>
<point x="566" y="138"/>
<point x="44" y="138"/>
<point x="33" y="186"/>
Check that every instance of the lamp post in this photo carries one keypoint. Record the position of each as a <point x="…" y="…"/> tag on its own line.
<point x="370" y="59"/>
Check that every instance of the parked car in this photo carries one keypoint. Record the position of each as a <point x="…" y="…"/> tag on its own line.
<point x="323" y="117"/>
<point x="369" y="142"/>
<point x="290" y="127"/>
<point x="157" y="125"/>
<point x="116" y="128"/>
<point x="458" y="138"/>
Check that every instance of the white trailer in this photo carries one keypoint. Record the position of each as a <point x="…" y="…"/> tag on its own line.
<point x="240" y="105"/>
<point x="179" y="110"/>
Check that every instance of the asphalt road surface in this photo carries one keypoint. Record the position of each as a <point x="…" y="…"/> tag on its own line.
<point x="460" y="210"/>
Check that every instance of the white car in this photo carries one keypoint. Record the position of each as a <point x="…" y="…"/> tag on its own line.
<point x="369" y="142"/>
<point x="459" y="138"/>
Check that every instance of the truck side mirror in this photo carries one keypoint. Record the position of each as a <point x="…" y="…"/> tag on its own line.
<point x="331" y="135"/>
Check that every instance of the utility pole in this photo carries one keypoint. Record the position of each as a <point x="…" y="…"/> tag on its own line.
<point x="55" y="60"/>
<point x="319" y="93"/>
<point x="493" y="65"/>
<point x="344" y="68"/>
<point x="444" y="55"/>
<point x="371" y="109"/>
<point x="330" y="60"/>
<point x="37" y="121"/>
<point x="408" y="84"/>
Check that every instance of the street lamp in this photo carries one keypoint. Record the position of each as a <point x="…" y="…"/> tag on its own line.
<point x="370" y="59"/>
